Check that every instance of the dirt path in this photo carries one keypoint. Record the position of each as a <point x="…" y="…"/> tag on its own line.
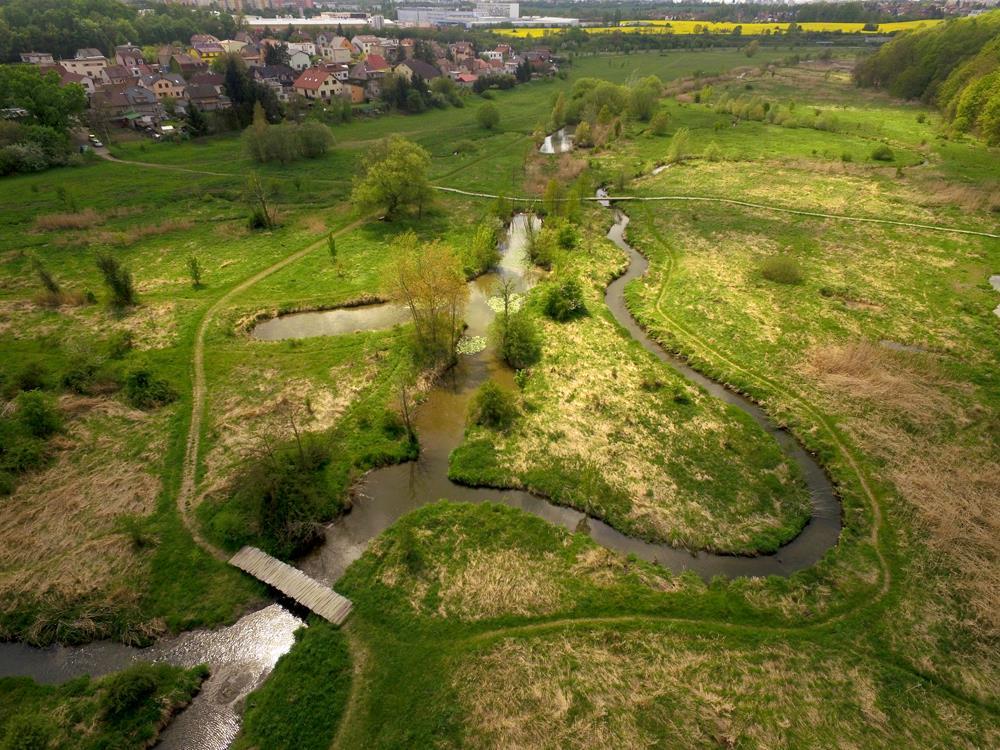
<point x="189" y="476"/>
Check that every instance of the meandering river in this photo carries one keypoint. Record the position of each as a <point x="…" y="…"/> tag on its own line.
<point x="242" y="655"/>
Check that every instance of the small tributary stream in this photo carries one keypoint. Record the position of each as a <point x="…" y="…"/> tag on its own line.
<point x="242" y="655"/>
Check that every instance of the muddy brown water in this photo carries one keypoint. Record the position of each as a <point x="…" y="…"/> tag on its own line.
<point x="243" y="654"/>
<point x="336" y="322"/>
<point x="387" y="494"/>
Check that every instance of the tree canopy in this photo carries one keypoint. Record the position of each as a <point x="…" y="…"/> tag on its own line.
<point x="955" y="65"/>
<point x="63" y="26"/>
<point x="394" y="177"/>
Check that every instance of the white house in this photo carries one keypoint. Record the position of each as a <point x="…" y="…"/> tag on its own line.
<point x="298" y="60"/>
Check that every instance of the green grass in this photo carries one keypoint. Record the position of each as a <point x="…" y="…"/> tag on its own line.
<point x="302" y="702"/>
<point x="477" y="622"/>
<point x="75" y="714"/>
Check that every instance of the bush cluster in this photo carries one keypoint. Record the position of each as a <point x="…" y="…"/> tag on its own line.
<point x="492" y="407"/>
<point x="782" y="269"/>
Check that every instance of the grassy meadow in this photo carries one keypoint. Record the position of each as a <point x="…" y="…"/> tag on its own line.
<point x="481" y="626"/>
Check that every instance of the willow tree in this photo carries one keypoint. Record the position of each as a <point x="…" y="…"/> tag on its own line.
<point x="428" y="278"/>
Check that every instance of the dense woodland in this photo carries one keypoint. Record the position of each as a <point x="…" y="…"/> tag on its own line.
<point x="63" y="26"/>
<point x="955" y="66"/>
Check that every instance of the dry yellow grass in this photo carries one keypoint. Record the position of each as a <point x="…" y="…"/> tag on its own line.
<point x="242" y="414"/>
<point x="58" y="539"/>
<point x="80" y="220"/>
<point x="953" y="485"/>
<point x="632" y="689"/>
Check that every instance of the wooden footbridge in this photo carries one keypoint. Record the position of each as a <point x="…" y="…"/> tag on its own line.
<point x="293" y="583"/>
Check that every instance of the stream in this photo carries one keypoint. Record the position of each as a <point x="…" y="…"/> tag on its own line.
<point x="242" y="655"/>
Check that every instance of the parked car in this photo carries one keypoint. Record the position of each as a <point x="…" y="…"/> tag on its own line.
<point x="97" y="143"/>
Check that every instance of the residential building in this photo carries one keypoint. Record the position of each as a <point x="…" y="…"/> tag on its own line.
<point x="37" y="58"/>
<point x="299" y="60"/>
<point x="318" y="84"/>
<point x="129" y="56"/>
<point x="410" y="68"/>
<point x="115" y="74"/>
<point x="205" y="47"/>
<point x="335" y="49"/>
<point x="366" y="44"/>
<point x="86" y="62"/>
<point x="165" y="85"/>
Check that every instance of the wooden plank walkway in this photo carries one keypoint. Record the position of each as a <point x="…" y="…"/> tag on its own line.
<point x="293" y="583"/>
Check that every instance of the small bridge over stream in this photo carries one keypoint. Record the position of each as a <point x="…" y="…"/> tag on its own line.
<point x="293" y="583"/>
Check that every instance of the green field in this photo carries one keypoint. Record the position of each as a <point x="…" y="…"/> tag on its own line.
<point x="482" y="626"/>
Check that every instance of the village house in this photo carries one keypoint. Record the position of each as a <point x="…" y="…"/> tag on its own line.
<point x="462" y="51"/>
<point x="206" y="97"/>
<point x="66" y="78"/>
<point x="115" y="74"/>
<point x="308" y="47"/>
<point x="232" y="45"/>
<point x="129" y="104"/>
<point x="298" y="60"/>
<point x="466" y="80"/>
<point x="37" y="58"/>
<point x="279" y="78"/>
<point x="318" y="84"/>
<point x="205" y="47"/>
<point x="406" y="48"/>
<point x="86" y="62"/>
<point x="165" y="85"/>
<point x="129" y="56"/>
<point x="335" y="49"/>
<point x="368" y="75"/>
<point x="252" y="54"/>
<point x="365" y="44"/>
<point x="409" y="69"/>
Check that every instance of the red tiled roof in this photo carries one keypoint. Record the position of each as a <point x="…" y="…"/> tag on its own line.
<point x="312" y="79"/>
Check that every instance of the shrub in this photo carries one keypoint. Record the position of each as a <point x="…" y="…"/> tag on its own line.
<point x="127" y="691"/>
<point x="782" y="269"/>
<point x="679" y="146"/>
<point x="566" y="236"/>
<point x="30" y="376"/>
<point x="520" y="340"/>
<point x="882" y="153"/>
<point x="492" y="407"/>
<point x="660" y="122"/>
<point x="583" y="137"/>
<point x="488" y="116"/>
<point x="145" y="390"/>
<point x="37" y="413"/>
<point x="564" y="300"/>
<point x="118" y="279"/>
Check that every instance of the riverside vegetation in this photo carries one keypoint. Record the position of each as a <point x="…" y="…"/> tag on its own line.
<point x="872" y="342"/>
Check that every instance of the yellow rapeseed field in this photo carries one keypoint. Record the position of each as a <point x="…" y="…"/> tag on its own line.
<point x="711" y="27"/>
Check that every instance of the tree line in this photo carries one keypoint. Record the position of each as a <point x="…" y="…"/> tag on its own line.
<point x="955" y="66"/>
<point x="63" y="26"/>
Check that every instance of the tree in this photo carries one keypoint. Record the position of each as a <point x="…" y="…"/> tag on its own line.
<point x="488" y="116"/>
<point x="564" y="300"/>
<point x="679" y="146"/>
<point x="660" y="122"/>
<point x="552" y="197"/>
<point x="118" y="280"/>
<point x="194" y="271"/>
<point x="430" y="281"/>
<point x="262" y="216"/>
<point x="197" y="122"/>
<point x="642" y="102"/>
<point x="49" y="103"/>
<point x="394" y="177"/>
<point x="583" y="137"/>
<point x="492" y="407"/>
<point x="276" y="54"/>
<point x="559" y="112"/>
